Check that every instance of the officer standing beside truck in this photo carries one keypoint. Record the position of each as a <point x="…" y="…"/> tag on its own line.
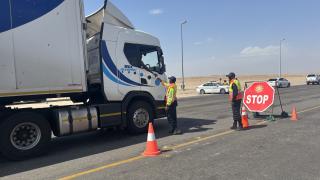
<point x="235" y="97"/>
<point x="171" y="104"/>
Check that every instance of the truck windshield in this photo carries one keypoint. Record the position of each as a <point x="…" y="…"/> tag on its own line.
<point x="151" y="60"/>
<point x="144" y="56"/>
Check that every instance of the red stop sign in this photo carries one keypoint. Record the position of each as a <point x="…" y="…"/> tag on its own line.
<point x="259" y="97"/>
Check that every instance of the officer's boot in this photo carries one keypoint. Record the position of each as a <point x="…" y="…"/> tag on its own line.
<point x="240" y="128"/>
<point x="234" y="126"/>
<point x="177" y="132"/>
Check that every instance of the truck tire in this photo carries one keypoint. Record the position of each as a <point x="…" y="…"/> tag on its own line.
<point x="139" y="115"/>
<point x="24" y="135"/>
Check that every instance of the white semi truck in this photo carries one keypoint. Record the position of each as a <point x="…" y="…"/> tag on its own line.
<point x="49" y="49"/>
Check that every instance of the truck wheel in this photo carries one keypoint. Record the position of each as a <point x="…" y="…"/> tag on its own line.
<point x="24" y="135"/>
<point x="139" y="115"/>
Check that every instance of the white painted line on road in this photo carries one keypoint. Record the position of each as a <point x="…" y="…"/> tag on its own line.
<point x="310" y="109"/>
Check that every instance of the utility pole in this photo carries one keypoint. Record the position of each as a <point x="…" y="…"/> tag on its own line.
<point x="182" y="55"/>
<point x="280" y="73"/>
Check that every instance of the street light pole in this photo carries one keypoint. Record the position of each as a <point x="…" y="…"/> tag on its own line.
<point x="183" y="83"/>
<point x="280" y="74"/>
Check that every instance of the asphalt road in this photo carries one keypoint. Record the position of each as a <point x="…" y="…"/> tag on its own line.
<point x="207" y="149"/>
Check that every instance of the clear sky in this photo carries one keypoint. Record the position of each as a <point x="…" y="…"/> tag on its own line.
<point x="230" y="35"/>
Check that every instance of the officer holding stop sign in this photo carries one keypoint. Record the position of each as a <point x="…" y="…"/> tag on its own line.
<point x="235" y="97"/>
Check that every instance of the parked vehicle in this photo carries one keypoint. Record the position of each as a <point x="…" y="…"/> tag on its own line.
<point x="212" y="87"/>
<point x="313" y="79"/>
<point x="49" y="49"/>
<point x="279" y="82"/>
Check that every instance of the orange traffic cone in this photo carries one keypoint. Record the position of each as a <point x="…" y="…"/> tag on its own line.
<point x="245" y="122"/>
<point x="152" y="145"/>
<point x="294" y="115"/>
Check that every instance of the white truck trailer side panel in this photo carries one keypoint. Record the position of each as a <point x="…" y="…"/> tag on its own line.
<point x="7" y="70"/>
<point x="48" y="51"/>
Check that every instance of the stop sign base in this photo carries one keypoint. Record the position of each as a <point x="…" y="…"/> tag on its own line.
<point x="284" y="114"/>
<point x="271" y="118"/>
<point x="259" y="97"/>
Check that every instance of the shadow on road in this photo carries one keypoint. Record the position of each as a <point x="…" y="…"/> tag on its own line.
<point x="257" y="126"/>
<point x="78" y="146"/>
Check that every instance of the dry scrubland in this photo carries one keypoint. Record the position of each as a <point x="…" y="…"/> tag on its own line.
<point x="193" y="82"/>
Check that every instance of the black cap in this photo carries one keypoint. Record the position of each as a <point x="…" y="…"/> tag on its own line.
<point x="172" y="79"/>
<point x="231" y="75"/>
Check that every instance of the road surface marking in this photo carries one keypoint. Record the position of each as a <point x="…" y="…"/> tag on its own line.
<point x="102" y="168"/>
<point x="127" y="161"/>
<point x="310" y="109"/>
<point x="202" y="139"/>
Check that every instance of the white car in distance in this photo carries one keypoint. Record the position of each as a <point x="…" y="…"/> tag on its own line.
<point x="279" y="82"/>
<point x="212" y="87"/>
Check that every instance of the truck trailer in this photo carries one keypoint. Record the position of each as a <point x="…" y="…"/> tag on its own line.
<point x="49" y="49"/>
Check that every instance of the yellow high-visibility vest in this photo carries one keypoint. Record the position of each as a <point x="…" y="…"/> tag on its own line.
<point x="240" y="93"/>
<point x="171" y="94"/>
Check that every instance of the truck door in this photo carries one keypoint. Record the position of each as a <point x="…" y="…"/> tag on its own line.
<point x="128" y="63"/>
<point x="140" y="65"/>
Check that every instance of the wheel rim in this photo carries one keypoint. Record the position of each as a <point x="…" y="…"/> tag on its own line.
<point x="202" y="92"/>
<point x="141" y="118"/>
<point x="25" y="136"/>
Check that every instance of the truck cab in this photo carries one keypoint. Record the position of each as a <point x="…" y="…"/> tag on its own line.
<point x="121" y="57"/>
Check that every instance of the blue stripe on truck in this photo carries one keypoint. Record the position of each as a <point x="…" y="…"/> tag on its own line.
<point x="5" y="22"/>
<point x="24" y="11"/>
<point x="111" y="77"/>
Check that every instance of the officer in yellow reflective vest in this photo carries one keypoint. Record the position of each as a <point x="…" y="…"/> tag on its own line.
<point x="235" y="97"/>
<point x="171" y="104"/>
